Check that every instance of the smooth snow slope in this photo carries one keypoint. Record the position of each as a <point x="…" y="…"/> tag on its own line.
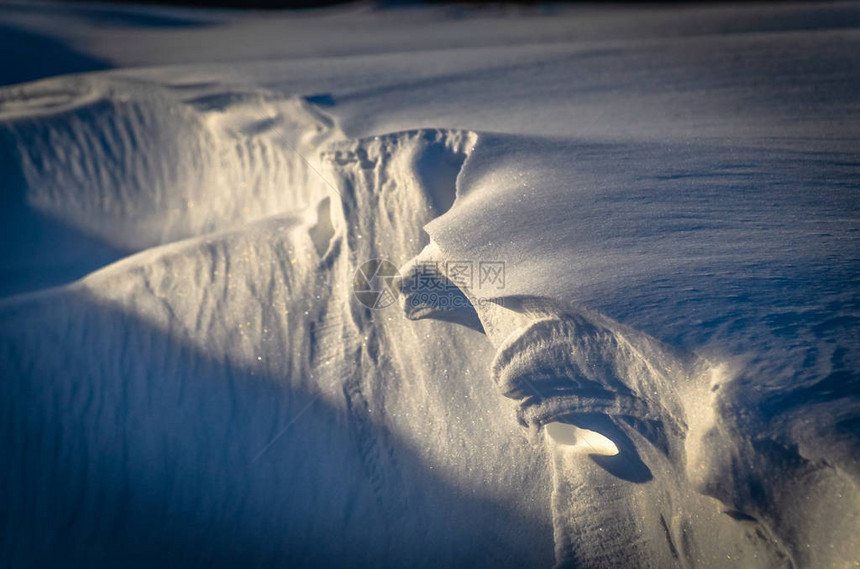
<point x="673" y="194"/>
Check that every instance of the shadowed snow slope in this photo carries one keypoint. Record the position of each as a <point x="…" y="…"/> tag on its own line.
<point x="660" y="370"/>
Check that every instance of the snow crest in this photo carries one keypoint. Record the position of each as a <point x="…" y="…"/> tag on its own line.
<point x="129" y="164"/>
<point x="671" y="461"/>
<point x="222" y="398"/>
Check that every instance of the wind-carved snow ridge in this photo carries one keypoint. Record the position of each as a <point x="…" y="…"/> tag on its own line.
<point x="565" y="362"/>
<point x="254" y="213"/>
<point x="387" y="187"/>
<point x="567" y="365"/>
<point x="670" y="478"/>
<point x="226" y="398"/>
<point x="136" y="164"/>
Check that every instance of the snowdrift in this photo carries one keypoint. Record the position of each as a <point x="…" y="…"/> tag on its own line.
<point x="623" y="332"/>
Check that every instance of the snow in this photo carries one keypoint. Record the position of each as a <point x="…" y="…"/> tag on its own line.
<point x="665" y="376"/>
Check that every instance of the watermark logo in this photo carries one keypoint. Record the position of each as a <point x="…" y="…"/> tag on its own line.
<point x="433" y="285"/>
<point x="374" y="283"/>
<point x="491" y="274"/>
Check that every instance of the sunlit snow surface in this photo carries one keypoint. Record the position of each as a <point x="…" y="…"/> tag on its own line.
<point x="666" y="374"/>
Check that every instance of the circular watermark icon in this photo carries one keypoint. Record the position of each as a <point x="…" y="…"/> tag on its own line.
<point x="375" y="283"/>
